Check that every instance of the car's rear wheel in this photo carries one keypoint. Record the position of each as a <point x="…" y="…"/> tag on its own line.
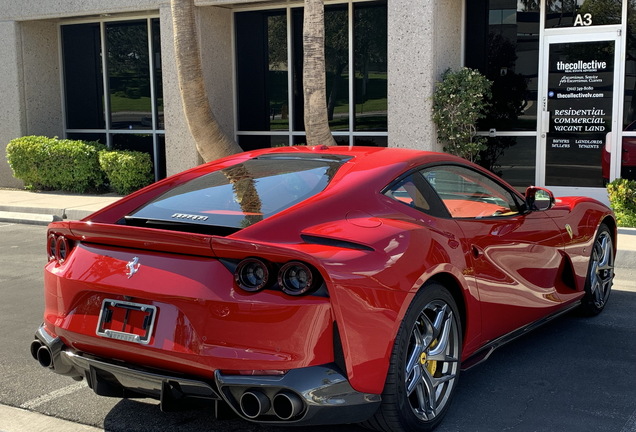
<point x="425" y="364"/>
<point x="600" y="273"/>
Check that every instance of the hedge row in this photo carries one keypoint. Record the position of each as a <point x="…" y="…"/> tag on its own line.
<point x="44" y="163"/>
<point x="622" y="196"/>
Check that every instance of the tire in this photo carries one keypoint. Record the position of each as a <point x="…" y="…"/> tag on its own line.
<point x="425" y="365"/>
<point x="600" y="273"/>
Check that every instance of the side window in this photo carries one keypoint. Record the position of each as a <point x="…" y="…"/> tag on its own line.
<point x="470" y="194"/>
<point x="405" y="191"/>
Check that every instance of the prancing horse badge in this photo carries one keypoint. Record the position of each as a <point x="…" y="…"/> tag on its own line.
<point x="133" y="267"/>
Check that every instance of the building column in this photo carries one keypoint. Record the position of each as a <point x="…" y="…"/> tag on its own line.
<point x="41" y="77"/>
<point x="424" y="39"/>
<point x="12" y="109"/>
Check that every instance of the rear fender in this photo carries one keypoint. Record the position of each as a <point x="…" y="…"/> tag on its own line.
<point x="579" y="219"/>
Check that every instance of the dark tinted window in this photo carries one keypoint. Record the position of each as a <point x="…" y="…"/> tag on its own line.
<point x="503" y="43"/>
<point x="269" y="64"/>
<point x="243" y="194"/>
<point x="127" y="113"/>
<point x="129" y="75"/>
<point x="83" y="79"/>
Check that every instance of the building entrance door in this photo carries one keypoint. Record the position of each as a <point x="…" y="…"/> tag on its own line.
<point x="579" y="114"/>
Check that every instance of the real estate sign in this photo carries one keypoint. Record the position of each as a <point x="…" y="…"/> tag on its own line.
<point x="580" y="86"/>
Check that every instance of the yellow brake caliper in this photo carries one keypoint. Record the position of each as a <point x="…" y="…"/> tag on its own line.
<point x="430" y="365"/>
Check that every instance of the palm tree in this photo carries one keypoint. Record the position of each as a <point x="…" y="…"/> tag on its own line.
<point x="211" y="142"/>
<point x="314" y="80"/>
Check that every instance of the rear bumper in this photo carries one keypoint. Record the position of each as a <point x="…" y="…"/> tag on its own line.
<point x="305" y="396"/>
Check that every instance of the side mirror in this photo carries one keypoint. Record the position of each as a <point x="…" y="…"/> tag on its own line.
<point x="539" y="199"/>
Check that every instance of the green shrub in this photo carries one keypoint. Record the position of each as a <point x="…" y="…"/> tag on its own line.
<point x="622" y="196"/>
<point x="126" y="171"/>
<point x="25" y="155"/>
<point x="459" y="100"/>
<point x="53" y="164"/>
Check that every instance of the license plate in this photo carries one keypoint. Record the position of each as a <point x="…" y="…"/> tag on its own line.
<point x="127" y="321"/>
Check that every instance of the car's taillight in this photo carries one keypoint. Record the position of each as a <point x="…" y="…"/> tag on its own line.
<point x="62" y="249"/>
<point x="294" y="278"/>
<point x="51" y="246"/>
<point x="252" y="274"/>
<point x="58" y="248"/>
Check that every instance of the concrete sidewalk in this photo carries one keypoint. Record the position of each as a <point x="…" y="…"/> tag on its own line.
<point x="41" y="208"/>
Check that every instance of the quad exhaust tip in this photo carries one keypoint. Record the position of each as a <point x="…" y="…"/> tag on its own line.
<point x="286" y="405"/>
<point x="254" y="404"/>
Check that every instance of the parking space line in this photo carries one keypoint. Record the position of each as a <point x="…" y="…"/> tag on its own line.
<point x="630" y="425"/>
<point x="41" y="400"/>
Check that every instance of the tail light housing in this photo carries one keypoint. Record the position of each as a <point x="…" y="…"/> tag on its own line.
<point x="51" y="246"/>
<point x="252" y="274"/>
<point x="294" y="278"/>
<point x="58" y="248"/>
<point x="62" y="249"/>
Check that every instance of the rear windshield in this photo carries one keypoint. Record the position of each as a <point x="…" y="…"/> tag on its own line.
<point x="239" y="196"/>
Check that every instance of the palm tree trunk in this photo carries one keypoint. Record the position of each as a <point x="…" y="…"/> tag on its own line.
<point x="211" y="142"/>
<point x="314" y="80"/>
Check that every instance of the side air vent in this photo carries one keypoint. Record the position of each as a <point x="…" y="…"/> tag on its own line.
<point x="325" y="241"/>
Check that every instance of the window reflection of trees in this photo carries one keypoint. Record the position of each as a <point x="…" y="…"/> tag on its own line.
<point x="370" y="51"/>
<point x="370" y="55"/>
<point x="129" y="75"/>
<point x="514" y="89"/>
<point x="370" y="67"/>
<point x="336" y="62"/>
<point x="277" y="92"/>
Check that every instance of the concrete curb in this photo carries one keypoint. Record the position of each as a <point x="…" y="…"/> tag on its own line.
<point x="42" y="208"/>
<point x="28" y="218"/>
<point x="20" y="420"/>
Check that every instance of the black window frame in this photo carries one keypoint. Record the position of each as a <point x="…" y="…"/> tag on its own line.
<point x="437" y="206"/>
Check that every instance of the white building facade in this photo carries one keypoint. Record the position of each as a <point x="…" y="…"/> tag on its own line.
<point x="563" y="78"/>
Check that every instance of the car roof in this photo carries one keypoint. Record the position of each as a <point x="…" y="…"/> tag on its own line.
<point x="393" y="160"/>
<point x="365" y="169"/>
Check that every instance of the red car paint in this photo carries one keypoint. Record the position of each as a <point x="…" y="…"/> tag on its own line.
<point x="511" y="271"/>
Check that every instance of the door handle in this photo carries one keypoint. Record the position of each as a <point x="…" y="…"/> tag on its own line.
<point x="545" y="121"/>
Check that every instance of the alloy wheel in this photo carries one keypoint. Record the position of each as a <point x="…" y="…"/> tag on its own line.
<point x="601" y="269"/>
<point x="432" y="362"/>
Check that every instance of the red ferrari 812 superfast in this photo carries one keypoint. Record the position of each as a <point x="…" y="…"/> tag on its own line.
<point x="323" y="285"/>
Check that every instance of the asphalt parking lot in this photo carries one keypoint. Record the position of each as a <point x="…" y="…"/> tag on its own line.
<point x="574" y="374"/>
